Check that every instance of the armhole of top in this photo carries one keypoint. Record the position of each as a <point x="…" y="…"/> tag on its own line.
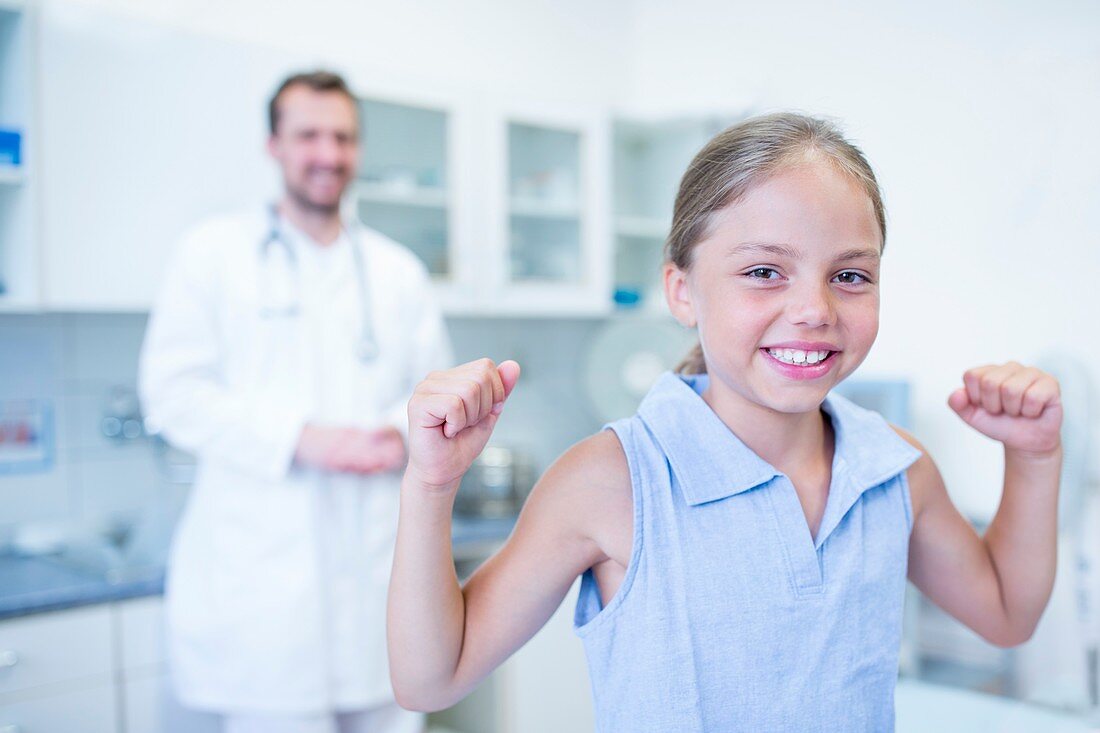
<point x="624" y="431"/>
<point x="906" y="498"/>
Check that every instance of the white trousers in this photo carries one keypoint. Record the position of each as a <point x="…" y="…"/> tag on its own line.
<point x="386" y="719"/>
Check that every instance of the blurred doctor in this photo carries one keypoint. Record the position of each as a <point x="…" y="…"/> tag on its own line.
<point x="282" y="352"/>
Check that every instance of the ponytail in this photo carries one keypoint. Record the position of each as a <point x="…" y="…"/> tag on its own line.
<point x="693" y="363"/>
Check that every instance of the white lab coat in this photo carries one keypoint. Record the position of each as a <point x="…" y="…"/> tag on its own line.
<point x="277" y="576"/>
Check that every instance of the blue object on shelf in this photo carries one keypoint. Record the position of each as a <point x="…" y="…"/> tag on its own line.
<point x="11" y="144"/>
<point x="626" y="297"/>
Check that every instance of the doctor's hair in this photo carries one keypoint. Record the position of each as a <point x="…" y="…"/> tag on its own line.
<point x="743" y="156"/>
<point x="319" y="81"/>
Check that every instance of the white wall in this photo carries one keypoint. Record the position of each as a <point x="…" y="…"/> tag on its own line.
<point x="980" y="120"/>
<point x="557" y="50"/>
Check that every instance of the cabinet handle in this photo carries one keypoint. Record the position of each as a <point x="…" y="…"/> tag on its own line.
<point x="8" y="658"/>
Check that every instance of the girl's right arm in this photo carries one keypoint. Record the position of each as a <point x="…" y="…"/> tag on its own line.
<point x="444" y="638"/>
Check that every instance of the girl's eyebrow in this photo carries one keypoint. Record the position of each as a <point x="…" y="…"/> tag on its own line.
<point x="859" y="254"/>
<point x="783" y="250"/>
<point x="770" y="248"/>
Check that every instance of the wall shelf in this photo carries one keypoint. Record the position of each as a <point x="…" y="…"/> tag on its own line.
<point x="432" y="198"/>
<point x="642" y="227"/>
<point x="538" y="209"/>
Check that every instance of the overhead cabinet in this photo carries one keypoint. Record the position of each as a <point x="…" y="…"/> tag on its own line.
<point x="515" y="209"/>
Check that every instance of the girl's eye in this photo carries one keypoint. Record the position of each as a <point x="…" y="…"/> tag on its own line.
<point x="848" y="277"/>
<point x="762" y="273"/>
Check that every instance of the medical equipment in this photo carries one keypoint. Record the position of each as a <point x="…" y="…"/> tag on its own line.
<point x="290" y="304"/>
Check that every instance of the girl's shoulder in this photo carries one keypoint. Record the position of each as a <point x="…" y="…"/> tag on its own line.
<point x="925" y="481"/>
<point x="585" y="497"/>
<point x="592" y="473"/>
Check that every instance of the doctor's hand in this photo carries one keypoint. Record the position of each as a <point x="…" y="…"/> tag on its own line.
<point x="1019" y="406"/>
<point x="451" y="416"/>
<point x="350" y="450"/>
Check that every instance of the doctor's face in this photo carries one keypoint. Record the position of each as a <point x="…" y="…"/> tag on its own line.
<point x="316" y="144"/>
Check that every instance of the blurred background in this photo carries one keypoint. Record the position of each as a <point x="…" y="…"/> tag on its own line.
<point x="528" y="152"/>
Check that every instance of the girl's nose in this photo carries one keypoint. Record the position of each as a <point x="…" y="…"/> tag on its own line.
<point x="812" y="306"/>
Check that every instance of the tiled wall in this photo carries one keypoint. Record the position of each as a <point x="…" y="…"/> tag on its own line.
<point x="74" y="361"/>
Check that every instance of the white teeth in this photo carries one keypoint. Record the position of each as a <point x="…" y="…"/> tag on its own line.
<point x="797" y="356"/>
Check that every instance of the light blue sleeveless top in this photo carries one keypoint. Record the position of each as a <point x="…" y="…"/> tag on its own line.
<point x="730" y="617"/>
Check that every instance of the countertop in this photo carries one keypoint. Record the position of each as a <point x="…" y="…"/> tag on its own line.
<point x="33" y="584"/>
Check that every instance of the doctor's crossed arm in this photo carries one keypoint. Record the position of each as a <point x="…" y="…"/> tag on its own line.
<point x="349" y="449"/>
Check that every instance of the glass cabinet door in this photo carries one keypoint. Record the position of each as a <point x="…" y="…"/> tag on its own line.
<point x="19" y="287"/>
<point x="544" y="204"/>
<point x="404" y="182"/>
<point x="649" y="159"/>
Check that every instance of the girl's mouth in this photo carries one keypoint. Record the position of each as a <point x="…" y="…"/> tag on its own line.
<point x="800" y="364"/>
<point x="799" y="357"/>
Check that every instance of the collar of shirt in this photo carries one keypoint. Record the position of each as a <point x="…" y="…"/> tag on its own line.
<point x="332" y="261"/>
<point x="867" y="451"/>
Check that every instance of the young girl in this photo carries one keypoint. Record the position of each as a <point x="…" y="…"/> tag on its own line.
<point x="745" y="538"/>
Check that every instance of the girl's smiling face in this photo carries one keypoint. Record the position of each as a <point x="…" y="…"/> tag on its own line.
<point x="784" y="288"/>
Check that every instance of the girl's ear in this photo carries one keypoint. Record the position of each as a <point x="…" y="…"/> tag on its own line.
<point x="678" y="295"/>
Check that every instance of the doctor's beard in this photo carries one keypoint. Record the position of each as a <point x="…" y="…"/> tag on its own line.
<point x="324" y="205"/>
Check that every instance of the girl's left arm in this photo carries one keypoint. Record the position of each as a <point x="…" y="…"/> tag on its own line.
<point x="998" y="584"/>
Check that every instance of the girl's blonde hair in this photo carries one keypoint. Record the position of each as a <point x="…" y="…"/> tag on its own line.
<point x="743" y="156"/>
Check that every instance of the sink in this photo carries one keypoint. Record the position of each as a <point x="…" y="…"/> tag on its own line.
<point x="115" y="551"/>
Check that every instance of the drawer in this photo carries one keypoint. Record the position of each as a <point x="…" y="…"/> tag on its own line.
<point x="141" y="631"/>
<point x="88" y="710"/>
<point x="54" y="647"/>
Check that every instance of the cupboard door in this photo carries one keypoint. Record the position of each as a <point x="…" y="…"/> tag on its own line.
<point x="88" y="710"/>
<point x="552" y="253"/>
<point x="54" y="647"/>
<point x="413" y="182"/>
<point x="649" y="159"/>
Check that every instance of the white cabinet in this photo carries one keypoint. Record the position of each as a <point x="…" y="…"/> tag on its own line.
<point x="142" y="706"/>
<point x="96" y="669"/>
<point x="415" y="181"/>
<point x="19" y="169"/>
<point x="507" y="206"/>
<point x="146" y="702"/>
<point x="516" y="209"/>
<point x="549" y="250"/>
<point x="649" y="159"/>
<point x="56" y="672"/>
<point x="103" y="669"/>
<point x="139" y="624"/>
<point x="51" y="648"/>
<point x="88" y="710"/>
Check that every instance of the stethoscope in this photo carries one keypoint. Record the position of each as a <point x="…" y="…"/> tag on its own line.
<point x="291" y="304"/>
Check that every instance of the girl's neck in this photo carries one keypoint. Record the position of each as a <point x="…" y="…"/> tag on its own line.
<point x="793" y="443"/>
